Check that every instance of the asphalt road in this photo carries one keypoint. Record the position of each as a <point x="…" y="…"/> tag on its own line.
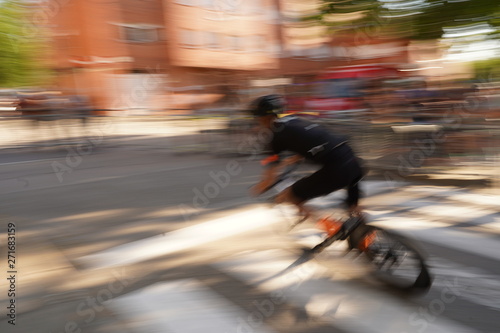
<point x="131" y="236"/>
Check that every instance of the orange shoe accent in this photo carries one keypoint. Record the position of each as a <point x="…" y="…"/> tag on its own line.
<point x="270" y="159"/>
<point x="367" y="241"/>
<point x="330" y="226"/>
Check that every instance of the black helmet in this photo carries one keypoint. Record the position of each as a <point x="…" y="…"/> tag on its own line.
<point x="267" y="105"/>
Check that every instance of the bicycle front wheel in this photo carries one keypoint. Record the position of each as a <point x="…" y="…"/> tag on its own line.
<point x="396" y="260"/>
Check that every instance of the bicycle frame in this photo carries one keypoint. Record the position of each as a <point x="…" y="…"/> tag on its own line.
<point x="375" y="244"/>
<point x="349" y="225"/>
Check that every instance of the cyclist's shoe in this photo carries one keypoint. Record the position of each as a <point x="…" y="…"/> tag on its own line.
<point x="367" y="241"/>
<point x="330" y="226"/>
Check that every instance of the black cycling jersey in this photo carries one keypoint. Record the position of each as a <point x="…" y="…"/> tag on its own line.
<point x="340" y="167"/>
<point x="310" y="140"/>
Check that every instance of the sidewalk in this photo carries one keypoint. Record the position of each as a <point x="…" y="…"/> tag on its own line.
<point x="461" y="174"/>
<point x="15" y="133"/>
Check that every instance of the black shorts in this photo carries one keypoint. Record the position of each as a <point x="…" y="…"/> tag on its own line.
<point x="331" y="177"/>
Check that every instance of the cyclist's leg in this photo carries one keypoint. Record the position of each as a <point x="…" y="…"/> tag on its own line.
<point x="287" y="196"/>
<point x="315" y="185"/>
<point x="353" y="189"/>
<point x="353" y="196"/>
<point x="328" y="179"/>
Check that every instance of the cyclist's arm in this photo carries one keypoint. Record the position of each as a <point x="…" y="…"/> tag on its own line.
<point x="272" y="168"/>
<point x="268" y="178"/>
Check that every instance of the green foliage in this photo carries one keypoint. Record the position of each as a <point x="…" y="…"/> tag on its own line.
<point x="487" y="70"/>
<point x="440" y="14"/>
<point x="21" y="46"/>
<point x="416" y="19"/>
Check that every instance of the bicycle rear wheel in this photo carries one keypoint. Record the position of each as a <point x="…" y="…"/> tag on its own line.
<point x="396" y="261"/>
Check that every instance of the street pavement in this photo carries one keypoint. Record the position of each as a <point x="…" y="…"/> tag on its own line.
<point x="133" y="236"/>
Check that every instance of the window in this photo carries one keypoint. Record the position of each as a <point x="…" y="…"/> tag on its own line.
<point x="212" y="40"/>
<point x="252" y="43"/>
<point x="297" y="51"/>
<point x="186" y="2"/>
<point x="320" y="53"/>
<point x="234" y="43"/>
<point x="257" y="43"/>
<point x="339" y="88"/>
<point x="190" y="38"/>
<point x="209" y="4"/>
<point x="246" y="43"/>
<point x="254" y="8"/>
<point x="275" y="50"/>
<point x="140" y="34"/>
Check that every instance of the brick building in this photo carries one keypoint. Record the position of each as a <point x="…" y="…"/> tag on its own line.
<point x="166" y="54"/>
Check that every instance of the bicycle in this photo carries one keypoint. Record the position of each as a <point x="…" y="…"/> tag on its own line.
<point x="396" y="260"/>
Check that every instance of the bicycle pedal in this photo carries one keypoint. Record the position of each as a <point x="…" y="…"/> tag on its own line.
<point x="349" y="226"/>
<point x="367" y="242"/>
<point x="330" y="226"/>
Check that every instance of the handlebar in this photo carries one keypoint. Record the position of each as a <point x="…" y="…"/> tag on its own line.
<point x="284" y="175"/>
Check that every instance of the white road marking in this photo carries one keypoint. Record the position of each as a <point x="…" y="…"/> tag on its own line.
<point x="439" y="233"/>
<point x="182" y="239"/>
<point x="29" y="161"/>
<point x="329" y="297"/>
<point x="477" y="199"/>
<point x="433" y="190"/>
<point x="189" y="237"/>
<point x="183" y="306"/>
<point x="79" y="177"/>
<point x="370" y="189"/>
<point x="470" y="283"/>
<point x="453" y="212"/>
<point x="415" y="128"/>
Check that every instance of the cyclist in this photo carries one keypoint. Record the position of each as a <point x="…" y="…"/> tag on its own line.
<point x="339" y="167"/>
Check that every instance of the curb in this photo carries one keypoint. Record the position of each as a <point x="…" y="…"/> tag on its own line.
<point x="435" y="178"/>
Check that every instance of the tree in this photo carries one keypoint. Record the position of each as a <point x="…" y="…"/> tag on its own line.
<point x="415" y="19"/>
<point x="21" y="45"/>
